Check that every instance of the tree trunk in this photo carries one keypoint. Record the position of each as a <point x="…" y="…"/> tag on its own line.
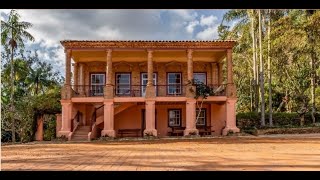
<point x="13" y="130"/>
<point x="36" y="93"/>
<point x="199" y="107"/>
<point x="311" y="41"/>
<point x="302" y="120"/>
<point x="269" y="71"/>
<point x="257" y="99"/>
<point x="261" y="74"/>
<point x="254" y="66"/>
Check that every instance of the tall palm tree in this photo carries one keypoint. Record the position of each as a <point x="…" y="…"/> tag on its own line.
<point x="13" y="33"/>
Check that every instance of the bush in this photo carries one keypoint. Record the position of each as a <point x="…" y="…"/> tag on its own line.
<point x="49" y="127"/>
<point x="252" y="119"/>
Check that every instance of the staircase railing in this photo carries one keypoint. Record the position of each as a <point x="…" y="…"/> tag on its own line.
<point x="94" y="117"/>
<point x="75" y="121"/>
<point x="74" y="124"/>
<point x="93" y="130"/>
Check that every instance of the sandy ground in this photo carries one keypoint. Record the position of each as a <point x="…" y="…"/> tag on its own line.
<point x="227" y="153"/>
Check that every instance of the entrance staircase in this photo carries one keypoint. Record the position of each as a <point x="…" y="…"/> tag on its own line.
<point x="81" y="133"/>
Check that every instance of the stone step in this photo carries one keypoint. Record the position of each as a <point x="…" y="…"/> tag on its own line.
<point x="83" y="129"/>
<point x="80" y="135"/>
<point x="81" y="132"/>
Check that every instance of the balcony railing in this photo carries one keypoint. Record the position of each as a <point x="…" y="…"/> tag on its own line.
<point x="170" y="90"/>
<point x="87" y="90"/>
<point x="140" y="90"/>
<point x="129" y="91"/>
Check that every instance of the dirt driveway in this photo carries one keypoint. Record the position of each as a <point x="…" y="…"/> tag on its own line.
<point x="228" y="153"/>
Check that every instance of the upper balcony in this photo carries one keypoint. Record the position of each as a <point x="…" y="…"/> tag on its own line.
<point x="131" y="68"/>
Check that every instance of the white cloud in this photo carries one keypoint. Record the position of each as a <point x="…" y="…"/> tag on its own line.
<point x="107" y="33"/>
<point x="208" y="21"/>
<point x="190" y="27"/>
<point x="186" y="14"/>
<point x="210" y="25"/>
<point x="208" y="33"/>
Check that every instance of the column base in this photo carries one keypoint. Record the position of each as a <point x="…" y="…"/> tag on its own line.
<point x="150" y="132"/>
<point x="189" y="132"/>
<point x="63" y="133"/>
<point x="225" y="131"/>
<point x="108" y="133"/>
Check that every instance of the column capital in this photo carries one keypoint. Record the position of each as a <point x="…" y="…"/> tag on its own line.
<point x="109" y="51"/>
<point x="229" y="50"/>
<point x="189" y="53"/>
<point x="150" y="53"/>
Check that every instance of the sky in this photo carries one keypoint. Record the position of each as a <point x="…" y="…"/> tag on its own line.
<point x="52" y="26"/>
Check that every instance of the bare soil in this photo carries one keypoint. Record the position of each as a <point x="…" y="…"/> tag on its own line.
<point x="283" y="152"/>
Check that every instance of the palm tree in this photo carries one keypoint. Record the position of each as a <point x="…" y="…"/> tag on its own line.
<point x="39" y="78"/>
<point x="13" y="33"/>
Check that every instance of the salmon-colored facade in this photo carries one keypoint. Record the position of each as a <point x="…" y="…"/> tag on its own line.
<point x="140" y="88"/>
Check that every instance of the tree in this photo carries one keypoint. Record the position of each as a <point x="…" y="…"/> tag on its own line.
<point x="203" y="91"/>
<point x="311" y="32"/>
<point x="13" y="33"/>
<point x="40" y="77"/>
<point x="269" y="70"/>
<point x="261" y="74"/>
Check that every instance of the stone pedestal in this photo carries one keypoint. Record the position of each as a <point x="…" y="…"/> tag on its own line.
<point x="66" y="118"/>
<point x="150" y="119"/>
<point x="191" y="118"/>
<point x="230" y="117"/>
<point x="108" y="129"/>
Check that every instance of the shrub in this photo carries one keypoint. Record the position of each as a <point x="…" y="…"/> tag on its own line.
<point x="250" y="120"/>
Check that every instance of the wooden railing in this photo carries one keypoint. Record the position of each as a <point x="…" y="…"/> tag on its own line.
<point x="140" y="90"/>
<point x="94" y="117"/>
<point x="75" y="121"/>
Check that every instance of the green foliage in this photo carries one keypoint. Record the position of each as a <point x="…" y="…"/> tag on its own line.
<point x="251" y="120"/>
<point x="49" y="128"/>
<point x="294" y="36"/>
<point x="202" y="90"/>
<point x="36" y="86"/>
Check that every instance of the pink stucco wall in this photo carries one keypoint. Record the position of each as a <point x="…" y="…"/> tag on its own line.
<point x="218" y="112"/>
<point x="58" y="123"/>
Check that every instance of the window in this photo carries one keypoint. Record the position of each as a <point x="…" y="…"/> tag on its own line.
<point x="200" y="77"/>
<point x="97" y="84"/>
<point x="174" y="83"/>
<point x="202" y="117"/>
<point x="123" y="83"/>
<point x="174" y="117"/>
<point x="144" y="81"/>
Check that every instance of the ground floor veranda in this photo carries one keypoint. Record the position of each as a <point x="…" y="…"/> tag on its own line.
<point x="119" y="118"/>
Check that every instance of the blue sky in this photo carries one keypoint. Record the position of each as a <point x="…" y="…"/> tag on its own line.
<point x="51" y="26"/>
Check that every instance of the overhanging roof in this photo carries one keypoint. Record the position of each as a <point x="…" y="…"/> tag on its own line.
<point x="213" y="44"/>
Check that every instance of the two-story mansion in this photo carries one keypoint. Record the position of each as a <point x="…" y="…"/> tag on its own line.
<point x="141" y="88"/>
